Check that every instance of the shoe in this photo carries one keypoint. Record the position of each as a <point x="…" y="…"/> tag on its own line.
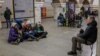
<point x="14" y="43"/>
<point x="79" y="49"/>
<point x="37" y="39"/>
<point x="72" y="53"/>
<point x="44" y="37"/>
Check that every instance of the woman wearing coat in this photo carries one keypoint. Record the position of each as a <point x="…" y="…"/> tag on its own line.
<point x="14" y="34"/>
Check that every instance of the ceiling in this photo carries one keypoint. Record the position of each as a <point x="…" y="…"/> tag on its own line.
<point x="76" y="1"/>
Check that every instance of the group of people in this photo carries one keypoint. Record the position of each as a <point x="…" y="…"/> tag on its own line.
<point x="87" y="36"/>
<point x="62" y="21"/>
<point x="75" y="20"/>
<point x="89" y="11"/>
<point x="20" y="31"/>
<point x="84" y="13"/>
<point x="27" y="32"/>
<point x="72" y="19"/>
<point x="71" y="22"/>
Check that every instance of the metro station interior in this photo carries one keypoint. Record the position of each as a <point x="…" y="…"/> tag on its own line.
<point x="58" y="41"/>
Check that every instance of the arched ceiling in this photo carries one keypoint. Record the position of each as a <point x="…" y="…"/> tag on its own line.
<point x="85" y="2"/>
<point x="55" y="1"/>
<point x="76" y="1"/>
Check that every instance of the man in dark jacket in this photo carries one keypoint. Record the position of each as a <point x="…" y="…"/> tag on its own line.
<point x="7" y="15"/>
<point x="61" y="19"/>
<point x="88" y="37"/>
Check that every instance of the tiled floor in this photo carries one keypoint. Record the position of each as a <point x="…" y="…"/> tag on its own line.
<point x="58" y="43"/>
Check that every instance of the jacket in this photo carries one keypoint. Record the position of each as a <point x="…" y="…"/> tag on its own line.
<point x="90" y="34"/>
<point x="13" y="34"/>
<point x="7" y="14"/>
<point x="41" y="28"/>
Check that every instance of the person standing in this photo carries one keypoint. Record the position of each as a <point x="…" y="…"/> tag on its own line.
<point x="82" y="9"/>
<point x="7" y="15"/>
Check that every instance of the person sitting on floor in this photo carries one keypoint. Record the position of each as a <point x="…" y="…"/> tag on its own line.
<point x="88" y="37"/>
<point x="14" y="36"/>
<point x="61" y="20"/>
<point x="28" y="33"/>
<point x="39" y="30"/>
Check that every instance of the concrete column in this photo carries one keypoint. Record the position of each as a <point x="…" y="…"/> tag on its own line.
<point x="98" y="45"/>
<point x="58" y="10"/>
<point x="37" y="14"/>
<point x="38" y="6"/>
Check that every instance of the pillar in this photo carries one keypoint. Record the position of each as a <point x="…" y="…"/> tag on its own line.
<point x="98" y="40"/>
<point x="38" y="6"/>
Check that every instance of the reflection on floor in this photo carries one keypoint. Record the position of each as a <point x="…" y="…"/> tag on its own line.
<point x="58" y="43"/>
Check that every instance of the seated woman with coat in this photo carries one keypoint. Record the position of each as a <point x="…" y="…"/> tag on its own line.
<point x="14" y="35"/>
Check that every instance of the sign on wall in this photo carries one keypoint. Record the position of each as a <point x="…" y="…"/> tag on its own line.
<point x="23" y="8"/>
<point x="71" y="6"/>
